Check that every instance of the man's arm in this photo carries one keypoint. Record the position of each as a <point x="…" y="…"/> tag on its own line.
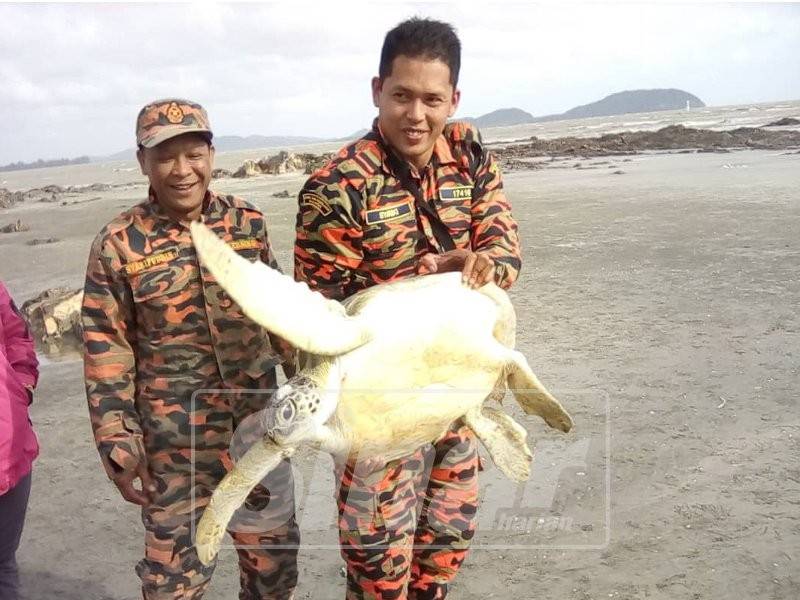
<point x="494" y="231"/>
<point x="109" y="361"/>
<point x="20" y="349"/>
<point x="328" y="245"/>
<point x="494" y="253"/>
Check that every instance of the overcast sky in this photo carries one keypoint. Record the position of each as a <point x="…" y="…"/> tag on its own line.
<point x="73" y="77"/>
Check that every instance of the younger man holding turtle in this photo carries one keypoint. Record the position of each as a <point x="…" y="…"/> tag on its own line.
<point x="414" y="195"/>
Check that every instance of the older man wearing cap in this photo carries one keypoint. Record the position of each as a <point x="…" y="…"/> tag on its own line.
<point x="173" y="366"/>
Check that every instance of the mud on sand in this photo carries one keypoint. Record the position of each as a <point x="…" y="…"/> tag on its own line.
<point x="667" y="295"/>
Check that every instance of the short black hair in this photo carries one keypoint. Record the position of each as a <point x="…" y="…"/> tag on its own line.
<point x="423" y="38"/>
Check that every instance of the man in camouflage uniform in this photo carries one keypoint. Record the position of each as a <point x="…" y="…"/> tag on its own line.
<point x="414" y="195"/>
<point x="158" y="329"/>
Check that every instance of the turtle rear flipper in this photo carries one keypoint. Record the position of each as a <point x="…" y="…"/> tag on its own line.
<point x="504" y="438"/>
<point x="532" y="396"/>
<point x="231" y="493"/>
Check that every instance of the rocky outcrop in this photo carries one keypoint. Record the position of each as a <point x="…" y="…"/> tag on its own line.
<point x="220" y="173"/>
<point x="675" y="138"/>
<point x="283" y="162"/>
<point x="54" y="317"/>
<point x="248" y="169"/>
<point x="784" y="122"/>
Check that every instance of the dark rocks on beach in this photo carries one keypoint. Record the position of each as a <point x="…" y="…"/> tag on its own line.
<point x="15" y="227"/>
<point x="282" y="194"/>
<point x="784" y="122"/>
<point x="42" y="241"/>
<point x="677" y="138"/>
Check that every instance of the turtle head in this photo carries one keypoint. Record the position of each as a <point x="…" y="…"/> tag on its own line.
<point x="294" y="411"/>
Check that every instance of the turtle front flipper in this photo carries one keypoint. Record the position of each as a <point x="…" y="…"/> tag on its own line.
<point x="504" y="438"/>
<point x="287" y="308"/>
<point x="532" y="396"/>
<point x="231" y="493"/>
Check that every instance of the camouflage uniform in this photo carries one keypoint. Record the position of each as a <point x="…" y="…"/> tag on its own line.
<point x="357" y="226"/>
<point x="157" y="329"/>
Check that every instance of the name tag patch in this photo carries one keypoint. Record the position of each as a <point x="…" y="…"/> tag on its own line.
<point x="316" y="202"/>
<point x="455" y="193"/>
<point x="390" y="213"/>
<point x="245" y="244"/>
<point x="151" y="261"/>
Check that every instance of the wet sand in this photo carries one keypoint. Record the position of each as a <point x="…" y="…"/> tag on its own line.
<point x="659" y="305"/>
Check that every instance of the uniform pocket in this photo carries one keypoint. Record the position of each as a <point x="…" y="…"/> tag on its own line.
<point x="161" y="284"/>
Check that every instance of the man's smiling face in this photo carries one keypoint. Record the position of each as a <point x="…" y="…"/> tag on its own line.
<point x="179" y="170"/>
<point x="414" y="102"/>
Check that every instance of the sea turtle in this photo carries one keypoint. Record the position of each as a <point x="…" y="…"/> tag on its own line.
<point x="388" y="371"/>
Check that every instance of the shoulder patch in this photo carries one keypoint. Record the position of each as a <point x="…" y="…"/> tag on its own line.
<point x="317" y="202"/>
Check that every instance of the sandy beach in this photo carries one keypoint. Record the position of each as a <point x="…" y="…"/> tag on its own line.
<point x="658" y="301"/>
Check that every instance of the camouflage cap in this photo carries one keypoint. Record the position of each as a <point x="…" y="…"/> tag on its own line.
<point x="161" y="120"/>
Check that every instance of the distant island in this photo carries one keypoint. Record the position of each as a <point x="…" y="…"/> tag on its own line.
<point x="621" y="103"/>
<point x="39" y="164"/>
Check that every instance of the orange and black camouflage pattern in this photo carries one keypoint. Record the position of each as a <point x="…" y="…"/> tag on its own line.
<point x="404" y="531"/>
<point x="158" y="329"/>
<point x="357" y="226"/>
<point x="399" y="542"/>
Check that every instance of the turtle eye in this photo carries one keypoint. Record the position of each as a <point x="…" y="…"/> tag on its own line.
<point x="287" y="412"/>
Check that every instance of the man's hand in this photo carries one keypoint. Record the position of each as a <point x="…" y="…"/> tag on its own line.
<point x="124" y="482"/>
<point x="476" y="268"/>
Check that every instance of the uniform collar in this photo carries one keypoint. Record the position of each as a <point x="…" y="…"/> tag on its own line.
<point x="442" y="155"/>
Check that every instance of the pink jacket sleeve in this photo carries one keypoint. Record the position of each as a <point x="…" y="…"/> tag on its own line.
<point x="20" y="350"/>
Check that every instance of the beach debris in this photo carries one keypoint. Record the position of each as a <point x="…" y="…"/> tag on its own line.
<point x="722" y="404"/>
<point x="282" y="194"/>
<point x="15" y="227"/>
<point x="54" y="317"/>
